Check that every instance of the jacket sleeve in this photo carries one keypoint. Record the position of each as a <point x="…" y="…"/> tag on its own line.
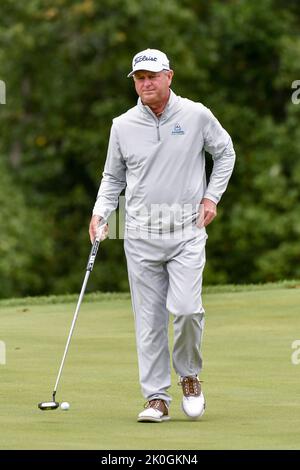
<point x="218" y="143"/>
<point x="113" y="178"/>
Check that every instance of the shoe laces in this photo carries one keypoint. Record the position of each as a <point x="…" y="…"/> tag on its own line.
<point x="190" y="385"/>
<point x="156" y="404"/>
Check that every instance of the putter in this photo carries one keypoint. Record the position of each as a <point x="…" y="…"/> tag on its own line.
<point x="53" y="405"/>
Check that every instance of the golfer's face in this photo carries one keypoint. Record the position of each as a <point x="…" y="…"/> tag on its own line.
<point x="152" y="87"/>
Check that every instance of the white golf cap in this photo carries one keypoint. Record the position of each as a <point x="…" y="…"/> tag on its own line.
<point x="152" y="60"/>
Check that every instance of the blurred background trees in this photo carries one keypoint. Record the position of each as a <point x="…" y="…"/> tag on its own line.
<point x="65" y="63"/>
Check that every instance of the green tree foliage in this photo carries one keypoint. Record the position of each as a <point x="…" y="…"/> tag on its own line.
<point x="65" y="64"/>
<point x="26" y="251"/>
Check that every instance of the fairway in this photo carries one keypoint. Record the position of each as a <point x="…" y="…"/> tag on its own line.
<point x="250" y="383"/>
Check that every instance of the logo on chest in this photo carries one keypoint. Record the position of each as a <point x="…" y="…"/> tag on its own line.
<point x="177" y="130"/>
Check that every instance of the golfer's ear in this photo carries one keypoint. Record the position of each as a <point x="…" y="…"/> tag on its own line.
<point x="170" y="76"/>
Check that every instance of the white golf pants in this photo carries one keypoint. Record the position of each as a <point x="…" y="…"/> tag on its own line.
<point x="165" y="276"/>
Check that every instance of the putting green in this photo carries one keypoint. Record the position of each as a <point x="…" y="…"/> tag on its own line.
<point x="250" y="382"/>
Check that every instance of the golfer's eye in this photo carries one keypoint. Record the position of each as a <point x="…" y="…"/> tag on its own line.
<point x="141" y="78"/>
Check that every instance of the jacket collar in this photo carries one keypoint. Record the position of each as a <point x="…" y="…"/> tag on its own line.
<point x="171" y="107"/>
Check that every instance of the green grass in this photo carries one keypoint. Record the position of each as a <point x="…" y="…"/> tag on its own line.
<point x="250" y="383"/>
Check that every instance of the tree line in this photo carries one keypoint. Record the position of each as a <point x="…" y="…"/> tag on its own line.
<point x="64" y="64"/>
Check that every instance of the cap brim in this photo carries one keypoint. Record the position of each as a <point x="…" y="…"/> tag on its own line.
<point x="147" y="69"/>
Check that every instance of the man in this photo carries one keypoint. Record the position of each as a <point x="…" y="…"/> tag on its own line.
<point x="157" y="151"/>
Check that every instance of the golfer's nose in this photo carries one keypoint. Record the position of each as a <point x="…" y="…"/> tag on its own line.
<point x="147" y="82"/>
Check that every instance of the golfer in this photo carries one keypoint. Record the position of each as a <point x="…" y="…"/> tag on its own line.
<point x="157" y="152"/>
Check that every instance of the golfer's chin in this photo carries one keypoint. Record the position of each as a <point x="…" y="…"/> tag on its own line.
<point x="149" y="98"/>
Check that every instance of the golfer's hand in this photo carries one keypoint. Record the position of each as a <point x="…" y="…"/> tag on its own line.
<point x="94" y="227"/>
<point x="207" y="212"/>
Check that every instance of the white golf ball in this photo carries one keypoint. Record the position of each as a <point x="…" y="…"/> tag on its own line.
<point x="65" y="405"/>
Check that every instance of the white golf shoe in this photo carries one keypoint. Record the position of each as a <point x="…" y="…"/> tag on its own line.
<point x="193" y="402"/>
<point x="155" y="411"/>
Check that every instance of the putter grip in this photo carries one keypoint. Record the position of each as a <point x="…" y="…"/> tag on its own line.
<point x="93" y="255"/>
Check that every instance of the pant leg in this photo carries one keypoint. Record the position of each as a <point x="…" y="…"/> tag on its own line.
<point x="185" y="270"/>
<point x="148" y="279"/>
<point x="188" y="333"/>
<point x="185" y="267"/>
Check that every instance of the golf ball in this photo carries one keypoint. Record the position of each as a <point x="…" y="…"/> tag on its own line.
<point x="65" y="405"/>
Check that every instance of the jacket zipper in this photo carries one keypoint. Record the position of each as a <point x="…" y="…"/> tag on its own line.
<point x="158" y="132"/>
<point x="157" y="123"/>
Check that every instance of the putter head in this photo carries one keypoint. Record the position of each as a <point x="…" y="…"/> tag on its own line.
<point x="48" y="405"/>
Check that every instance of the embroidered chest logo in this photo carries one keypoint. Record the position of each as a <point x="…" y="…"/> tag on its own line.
<point x="177" y="130"/>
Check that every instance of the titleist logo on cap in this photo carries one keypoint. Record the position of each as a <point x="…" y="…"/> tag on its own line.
<point x="141" y="58"/>
<point x="152" y="60"/>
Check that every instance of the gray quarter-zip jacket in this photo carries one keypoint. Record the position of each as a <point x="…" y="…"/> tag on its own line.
<point x="161" y="162"/>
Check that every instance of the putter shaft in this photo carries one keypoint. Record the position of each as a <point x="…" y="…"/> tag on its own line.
<point x="89" y="269"/>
